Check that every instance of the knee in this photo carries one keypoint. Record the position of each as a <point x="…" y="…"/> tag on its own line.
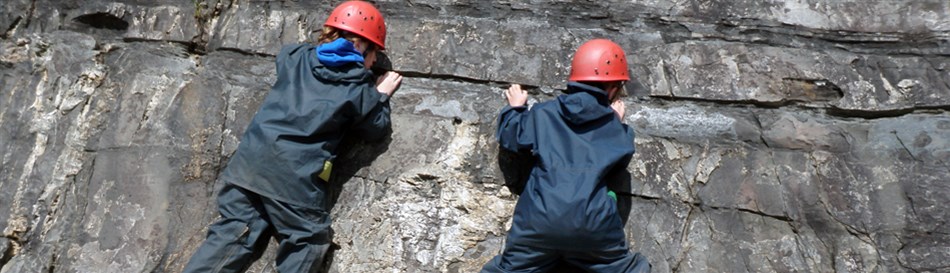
<point x="228" y="229"/>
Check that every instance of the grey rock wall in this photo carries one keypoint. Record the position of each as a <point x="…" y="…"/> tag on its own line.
<point x="772" y="136"/>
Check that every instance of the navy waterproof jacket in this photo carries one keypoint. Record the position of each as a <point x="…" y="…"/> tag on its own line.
<point x="300" y="124"/>
<point x="578" y="140"/>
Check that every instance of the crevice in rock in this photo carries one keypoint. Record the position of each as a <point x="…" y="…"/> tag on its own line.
<point x="674" y="31"/>
<point x="103" y="20"/>
<point x="895" y="44"/>
<point x="735" y="103"/>
<point x="832" y="249"/>
<point x="822" y="90"/>
<point x="29" y="14"/>
<point x="532" y="89"/>
<point x="9" y="31"/>
<point x="222" y="159"/>
<point x="672" y="79"/>
<point x="196" y="48"/>
<point x="9" y="252"/>
<point x="913" y="207"/>
<point x="776" y="34"/>
<point x="143" y="120"/>
<point x="860" y="235"/>
<point x="900" y="260"/>
<point x="909" y="152"/>
<point x="203" y="20"/>
<point x="758" y="121"/>
<point x="792" y="223"/>
<point x="52" y="263"/>
<point x="889" y="113"/>
<point x="187" y="45"/>
<point x="776" y="217"/>
<point x="636" y="195"/>
<point x="246" y="52"/>
<point x="684" y="235"/>
<point x="691" y="184"/>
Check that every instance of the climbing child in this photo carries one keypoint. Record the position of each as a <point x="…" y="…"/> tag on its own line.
<point x="565" y="212"/>
<point x="277" y="179"/>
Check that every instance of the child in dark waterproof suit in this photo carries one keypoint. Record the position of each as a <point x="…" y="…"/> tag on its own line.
<point x="277" y="178"/>
<point x="565" y="212"/>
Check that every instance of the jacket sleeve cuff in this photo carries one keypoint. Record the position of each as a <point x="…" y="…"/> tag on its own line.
<point x="516" y="108"/>
<point x="383" y="98"/>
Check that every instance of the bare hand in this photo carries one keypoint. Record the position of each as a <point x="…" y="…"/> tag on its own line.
<point x="387" y="83"/>
<point x="516" y="97"/>
<point x="619" y="108"/>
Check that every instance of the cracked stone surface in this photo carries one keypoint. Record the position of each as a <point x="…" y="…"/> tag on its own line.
<point x="772" y="136"/>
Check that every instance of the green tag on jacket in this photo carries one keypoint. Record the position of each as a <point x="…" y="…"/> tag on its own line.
<point x="327" y="168"/>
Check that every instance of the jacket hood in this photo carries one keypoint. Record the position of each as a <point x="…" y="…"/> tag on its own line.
<point x="583" y="103"/>
<point x="351" y="72"/>
<point x="339" y="61"/>
<point x="338" y="52"/>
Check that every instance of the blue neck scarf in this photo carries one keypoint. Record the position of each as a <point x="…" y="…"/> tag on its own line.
<point x="338" y="53"/>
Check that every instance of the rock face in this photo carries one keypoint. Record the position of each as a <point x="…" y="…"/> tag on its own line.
<point x="772" y="136"/>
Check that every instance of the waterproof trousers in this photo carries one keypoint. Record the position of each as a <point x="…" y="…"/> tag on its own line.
<point x="522" y="259"/>
<point x="247" y="222"/>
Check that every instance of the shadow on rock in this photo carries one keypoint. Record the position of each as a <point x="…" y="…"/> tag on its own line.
<point x="515" y="168"/>
<point x="618" y="180"/>
<point x="355" y="154"/>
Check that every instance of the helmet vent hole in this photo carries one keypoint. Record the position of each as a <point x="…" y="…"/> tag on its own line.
<point x="372" y="17"/>
<point x="347" y="14"/>
<point x="608" y="61"/>
<point x="361" y="12"/>
<point x="607" y="73"/>
<point x="335" y="19"/>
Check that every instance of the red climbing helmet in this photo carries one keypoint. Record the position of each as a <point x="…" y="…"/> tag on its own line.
<point x="360" y="18"/>
<point x="599" y="60"/>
